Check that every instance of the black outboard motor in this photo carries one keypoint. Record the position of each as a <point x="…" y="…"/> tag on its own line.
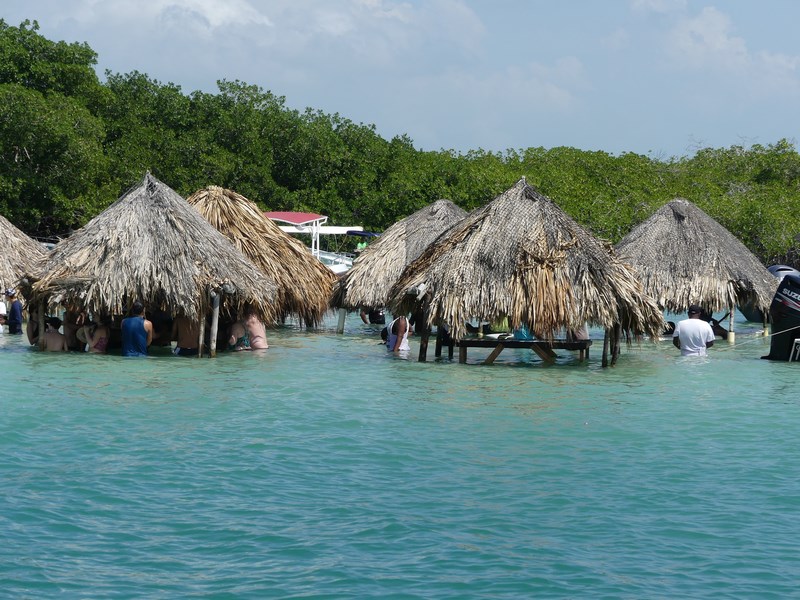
<point x="784" y="314"/>
<point x="750" y="312"/>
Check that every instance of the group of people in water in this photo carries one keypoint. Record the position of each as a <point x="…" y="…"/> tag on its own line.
<point x="137" y="333"/>
<point x="134" y="334"/>
<point x="692" y="336"/>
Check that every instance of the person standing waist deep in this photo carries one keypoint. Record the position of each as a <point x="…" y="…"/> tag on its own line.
<point x="14" y="317"/>
<point x="137" y="332"/>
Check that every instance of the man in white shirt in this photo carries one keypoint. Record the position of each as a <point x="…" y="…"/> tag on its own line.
<point x="693" y="335"/>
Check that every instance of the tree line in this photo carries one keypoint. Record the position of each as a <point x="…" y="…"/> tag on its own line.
<point x="70" y="144"/>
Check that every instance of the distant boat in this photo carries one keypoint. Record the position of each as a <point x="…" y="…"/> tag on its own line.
<point x="314" y="225"/>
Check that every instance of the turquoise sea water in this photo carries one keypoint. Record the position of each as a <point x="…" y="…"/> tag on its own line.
<point x="324" y="468"/>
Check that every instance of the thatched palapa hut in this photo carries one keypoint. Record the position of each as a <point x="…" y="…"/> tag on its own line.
<point x="524" y="258"/>
<point x="375" y="271"/>
<point x="304" y="284"/>
<point x="152" y="245"/>
<point x="19" y="254"/>
<point x="682" y="256"/>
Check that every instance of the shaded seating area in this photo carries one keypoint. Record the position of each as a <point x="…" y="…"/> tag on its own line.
<point x="151" y="245"/>
<point x="522" y="258"/>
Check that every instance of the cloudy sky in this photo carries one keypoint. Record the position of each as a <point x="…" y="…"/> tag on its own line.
<point x="657" y="77"/>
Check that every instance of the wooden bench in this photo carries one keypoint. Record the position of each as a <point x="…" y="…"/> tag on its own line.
<point x="541" y="347"/>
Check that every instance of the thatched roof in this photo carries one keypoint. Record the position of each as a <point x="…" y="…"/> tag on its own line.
<point x="151" y="245"/>
<point x="682" y="256"/>
<point x="523" y="257"/>
<point x="19" y="254"/>
<point x="304" y="283"/>
<point x="380" y="265"/>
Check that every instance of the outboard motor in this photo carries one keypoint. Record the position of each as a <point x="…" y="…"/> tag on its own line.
<point x="750" y="312"/>
<point x="784" y="313"/>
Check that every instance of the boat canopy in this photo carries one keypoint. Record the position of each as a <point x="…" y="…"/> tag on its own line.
<point x="311" y="224"/>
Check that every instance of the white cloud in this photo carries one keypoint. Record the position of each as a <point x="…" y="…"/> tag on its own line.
<point x="706" y="41"/>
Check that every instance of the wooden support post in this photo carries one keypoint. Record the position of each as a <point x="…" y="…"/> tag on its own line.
<point x="342" y="317"/>
<point x="605" y="349"/>
<point x="42" y="339"/>
<point x="212" y="347"/>
<point x="423" y="343"/>
<point x="450" y="347"/>
<point x="617" y="333"/>
<point x="462" y="354"/>
<point x="202" y="335"/>
<point x="731" y="332"/>
<point x="495" y="353"/>
<point x="438" y="351"/>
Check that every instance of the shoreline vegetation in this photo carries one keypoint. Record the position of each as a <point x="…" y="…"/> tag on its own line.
<point x="71" y="144"/>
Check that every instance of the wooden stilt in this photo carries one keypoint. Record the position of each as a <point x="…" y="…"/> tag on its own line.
<point x="462" y="354"/>
<point x="605" y="348"/>
<point x="438" y="350"/>
<point x="42" y="339"/>
<point x="731" y="332"/>
<point x="212" y="347"/>
<point x="423" y="344"/>
<point x="617" y="333"/>
<point x="342" y="317"/>
<point x="202" y="335"/>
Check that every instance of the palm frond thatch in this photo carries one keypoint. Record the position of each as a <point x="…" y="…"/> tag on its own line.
<point x="380" y="265"/>
<point x="683" y="256"/>
<point x="151" y="245"/>
<point x="523" y="257"/>
<point x="19" y="254"/>
<point x="304" y="283"/>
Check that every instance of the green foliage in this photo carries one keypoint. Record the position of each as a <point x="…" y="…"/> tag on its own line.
<point x="70" y="145"/>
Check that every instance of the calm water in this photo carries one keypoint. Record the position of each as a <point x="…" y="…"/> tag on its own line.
<point x="324" y="468"/>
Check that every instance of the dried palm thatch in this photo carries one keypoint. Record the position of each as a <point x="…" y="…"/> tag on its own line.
<point x="380" y="265"/>
<point x="304" y="283"/>
<point x="151" y="245"/>
<point x="19" y="254"/>
<point x="523" y="257"/>
<point x="682" y="256"/>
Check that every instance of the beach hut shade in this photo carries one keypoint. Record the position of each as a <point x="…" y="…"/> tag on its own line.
<point x="152" y="245"/>
<point x="522" y="257"/>
<point x="19" y="254"/>
<point x="682" y="256"/>
<point x="304" y="284"/>
<point x="375" y="271"/>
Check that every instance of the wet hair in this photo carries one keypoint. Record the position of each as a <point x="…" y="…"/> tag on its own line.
<point x="54" y="322"/>
<point x="137" y="308"/>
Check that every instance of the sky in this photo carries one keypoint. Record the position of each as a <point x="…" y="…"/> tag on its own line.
<point x="663" y="78"/>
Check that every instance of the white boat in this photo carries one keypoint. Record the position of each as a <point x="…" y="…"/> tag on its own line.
<point x="314" y="225"/>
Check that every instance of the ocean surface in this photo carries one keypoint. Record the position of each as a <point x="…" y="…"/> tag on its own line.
<point x="325" y="468"/>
